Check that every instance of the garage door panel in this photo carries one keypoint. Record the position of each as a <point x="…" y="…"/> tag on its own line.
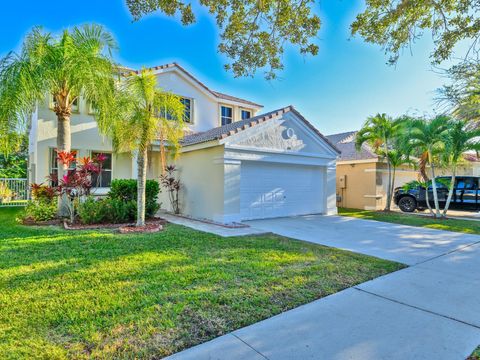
<point x="274" y="190"/>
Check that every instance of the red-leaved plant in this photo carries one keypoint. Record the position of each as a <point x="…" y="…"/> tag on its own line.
<point x="173" y="186"/>
<point x="77" y="183"/>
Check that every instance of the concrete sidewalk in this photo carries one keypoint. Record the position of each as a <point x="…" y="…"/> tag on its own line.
<point x="428" y="311"/>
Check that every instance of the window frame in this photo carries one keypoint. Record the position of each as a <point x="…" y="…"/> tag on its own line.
<point x="250" y="112"/>
<point x="232" y="117"/>
<point x="190" y="109"/>
<point x="52" y="158"/>
<point x="109" y="153"/>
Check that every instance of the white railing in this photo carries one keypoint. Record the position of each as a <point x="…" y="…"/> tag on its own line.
<point x="13" y="192"/>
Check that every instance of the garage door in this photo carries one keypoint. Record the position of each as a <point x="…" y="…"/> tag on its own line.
<point x="270" y="190"/>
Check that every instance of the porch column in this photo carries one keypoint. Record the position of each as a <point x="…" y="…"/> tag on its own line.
<point x="231" y="192"/>
<point x="331" y="189"/>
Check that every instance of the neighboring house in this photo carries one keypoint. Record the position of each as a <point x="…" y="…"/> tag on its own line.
<point x="234" y="164"/>
<point x="362" y="176"/>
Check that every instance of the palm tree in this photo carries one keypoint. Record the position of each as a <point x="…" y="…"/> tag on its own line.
<point x="459" y="139"/>
<point x="379" y="132"/>
<point x="143" y="113"/>
<point x="427" y="136"/>
<point x="76" y="63"/>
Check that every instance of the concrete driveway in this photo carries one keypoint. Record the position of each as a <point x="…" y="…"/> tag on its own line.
<point x="430" y="310"/>
<point x="405" y="244"/>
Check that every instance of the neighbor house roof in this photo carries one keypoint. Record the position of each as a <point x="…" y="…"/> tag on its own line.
<point x="201" y="84"/>
<point x="224" y="131"/>
<point x="345" y="142"/>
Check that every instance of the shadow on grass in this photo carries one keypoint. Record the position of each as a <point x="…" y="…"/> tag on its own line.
<point x="92" y="294"/>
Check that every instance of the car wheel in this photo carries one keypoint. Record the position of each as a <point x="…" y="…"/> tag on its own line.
<point x="407" y="204"/>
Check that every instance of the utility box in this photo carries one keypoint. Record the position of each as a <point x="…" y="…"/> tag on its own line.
<point x="342" y="181"/>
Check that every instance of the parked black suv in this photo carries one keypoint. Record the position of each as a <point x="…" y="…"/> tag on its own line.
<point x="466" y="195"/>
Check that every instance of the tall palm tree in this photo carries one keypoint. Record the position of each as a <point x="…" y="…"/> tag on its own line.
<point x="143" y="113"/>
<point x="379" y="132"/>
<point x="427" y="136"/>
<point x="76" y="63"/>
<point x="460" y="138"/>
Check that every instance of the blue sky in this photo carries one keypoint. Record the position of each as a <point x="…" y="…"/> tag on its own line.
<point x="336" y="90"/>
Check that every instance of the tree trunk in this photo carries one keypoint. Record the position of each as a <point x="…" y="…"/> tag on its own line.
<point x="64" y="143"/>
<point x="392" y="188"/>
<point x="427" y="201"/>
<point x="141" y="185"/>
<point x="434" y="186"/>
<point x="450" y="191"/>
<point x="389" y="186"/>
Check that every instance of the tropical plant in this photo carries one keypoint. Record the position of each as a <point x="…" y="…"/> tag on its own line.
<point x="76" y="63"/>
<point x="379" y="132"/>
<point x="459" y="139"/>
<point x="427" y="136"/>
<point x="75" y="186"/>
<point x="144" y="113"/>
<point x="172" y="185"/>
<point x="6" y="193"/>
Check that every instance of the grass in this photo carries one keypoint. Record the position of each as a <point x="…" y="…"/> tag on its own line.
<point x="457" y="225"/>
<point x="97" y="294"/>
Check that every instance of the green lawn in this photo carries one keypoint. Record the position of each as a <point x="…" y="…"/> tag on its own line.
<point x="464" y="226"/>
<point x="97" y="294"/>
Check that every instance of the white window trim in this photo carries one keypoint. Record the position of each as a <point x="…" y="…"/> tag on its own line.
<point x="220" y="113"/>
<point x="191" y="108"/>
<point x="90" y="153"/>
<point x="245" y="109"/>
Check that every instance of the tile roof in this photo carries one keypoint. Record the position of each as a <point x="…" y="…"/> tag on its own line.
<point x="345" y="142"/>
<point x="224" y="131"/>
<point x="205" y="87"/>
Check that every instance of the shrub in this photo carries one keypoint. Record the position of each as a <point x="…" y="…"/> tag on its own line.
<point x="108" y="210"/>
<point x="40" y="211"/>
<point x="91" y="211"/>
<point x="126" y="190"/>
<point x="43" y="192"/>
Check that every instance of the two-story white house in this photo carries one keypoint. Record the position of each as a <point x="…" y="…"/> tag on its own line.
<point x="235" y="163"/>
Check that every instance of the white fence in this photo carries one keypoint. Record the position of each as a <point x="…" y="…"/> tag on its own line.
<point x="13" y="192"/>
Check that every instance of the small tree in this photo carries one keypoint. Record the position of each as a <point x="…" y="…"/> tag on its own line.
<point x="144" y="113"/>
<point x="459" y="139"/>
<point x="379" y="131"/>
<point x="78" y="62"/>
<point x="427" y="137"/>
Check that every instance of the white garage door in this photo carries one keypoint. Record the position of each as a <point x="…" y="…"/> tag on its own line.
<point x="270" y="190"/>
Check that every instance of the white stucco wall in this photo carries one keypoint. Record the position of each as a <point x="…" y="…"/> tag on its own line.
<point x="206" y="108"/>
<point x="201" y="176"/>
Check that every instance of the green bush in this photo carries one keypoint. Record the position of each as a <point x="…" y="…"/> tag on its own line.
<point x="93" y="211"/>
<point x="126" y="190"/>
<point x="40" y="211"/>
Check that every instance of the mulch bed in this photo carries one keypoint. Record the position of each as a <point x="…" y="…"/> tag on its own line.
<point x="149" y="224"/>
<point x="30" y="222"/>
<point x="147" y="228"/>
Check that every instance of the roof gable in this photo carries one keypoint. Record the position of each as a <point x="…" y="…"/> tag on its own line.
<point x="217" y="95"/>
<point x="345" y="142"/>
<point x="283" y="129"/>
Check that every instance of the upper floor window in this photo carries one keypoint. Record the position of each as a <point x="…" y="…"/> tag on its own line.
<point x="246" y="114"/>
<point x="226" y="115"/>
<point x="187" y="115"/>
<point x="104" y="179"/>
